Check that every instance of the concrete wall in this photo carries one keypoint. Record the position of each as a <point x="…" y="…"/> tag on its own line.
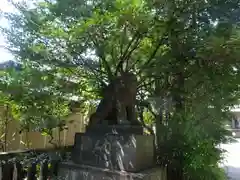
<point x="236" y="116"/>
<point x="235" y="130"/>
<point x="16" y="141"/>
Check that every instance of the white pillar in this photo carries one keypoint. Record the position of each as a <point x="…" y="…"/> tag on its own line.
<point x="233" y="123"/>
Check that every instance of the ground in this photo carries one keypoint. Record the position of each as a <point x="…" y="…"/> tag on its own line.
<point x="232" y="160"/>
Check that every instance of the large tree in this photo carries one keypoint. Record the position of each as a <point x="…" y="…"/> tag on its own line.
<point x="185" y="55"/>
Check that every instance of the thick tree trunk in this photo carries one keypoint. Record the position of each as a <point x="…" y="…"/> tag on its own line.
<point x="175" y="171"/>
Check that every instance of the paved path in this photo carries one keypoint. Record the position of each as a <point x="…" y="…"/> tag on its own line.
<point x="232" y="160"/>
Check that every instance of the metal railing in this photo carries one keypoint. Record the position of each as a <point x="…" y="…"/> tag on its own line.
<point x="32" y="164"/>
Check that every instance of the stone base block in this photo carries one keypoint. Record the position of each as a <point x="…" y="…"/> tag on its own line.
<point x="102" y="129"/>
<point x="71" y="171"/>
<point x="128" y="152"/>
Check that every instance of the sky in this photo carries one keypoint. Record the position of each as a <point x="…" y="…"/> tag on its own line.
<point x="5" y="7"/>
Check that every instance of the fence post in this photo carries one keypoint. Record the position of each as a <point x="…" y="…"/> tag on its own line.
<point x="32" y="170"/>
<point x="1" y="171"/>
<point x="7" y="171"/>
<point x="54" y="168"/>
<point x="20" y="173"/>
<point x="44" y="170"/>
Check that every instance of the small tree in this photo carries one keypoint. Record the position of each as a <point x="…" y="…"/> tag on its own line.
<point x="37" y="108"/>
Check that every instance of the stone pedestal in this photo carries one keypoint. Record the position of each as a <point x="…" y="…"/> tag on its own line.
<point x="129" y="152"/>
<point x="112" y="152"/>
<point x="114" y="129"/>
<point x="73" y="171"/>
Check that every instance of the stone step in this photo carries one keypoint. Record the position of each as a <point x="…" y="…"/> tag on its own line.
<point x="102" y="129"/>
<point x="72" y="171"/>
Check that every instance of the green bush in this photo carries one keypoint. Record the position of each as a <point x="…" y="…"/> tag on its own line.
<point x="192" y="149"/>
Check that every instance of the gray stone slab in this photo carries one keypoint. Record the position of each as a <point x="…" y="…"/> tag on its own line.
<point x="129" y="152"/>
<point x="102" y="129"/>
<point x="71" y="171"/>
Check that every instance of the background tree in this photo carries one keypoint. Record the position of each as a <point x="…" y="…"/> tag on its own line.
<point x="31" y="102"/>
<point x="185" y="55"/>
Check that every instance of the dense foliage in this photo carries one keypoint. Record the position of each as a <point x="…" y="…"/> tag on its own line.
<point x="185" y="55"/>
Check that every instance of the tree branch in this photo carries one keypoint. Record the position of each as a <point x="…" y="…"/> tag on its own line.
<point x="100" y="53"/>
<point x="136" y="45"/>
<point x="154" y="53"/>
<point x="142" y="121"/>
<point x="145" y="84"/>
<point x="122" y="57"/>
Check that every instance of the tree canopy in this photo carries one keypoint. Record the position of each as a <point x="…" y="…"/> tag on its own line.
<point x="184" y="53"/>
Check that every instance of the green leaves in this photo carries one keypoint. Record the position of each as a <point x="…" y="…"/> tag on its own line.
<point x="185" y="54"/>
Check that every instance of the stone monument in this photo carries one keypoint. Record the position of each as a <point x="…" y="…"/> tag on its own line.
<point x="114" y="146"/>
